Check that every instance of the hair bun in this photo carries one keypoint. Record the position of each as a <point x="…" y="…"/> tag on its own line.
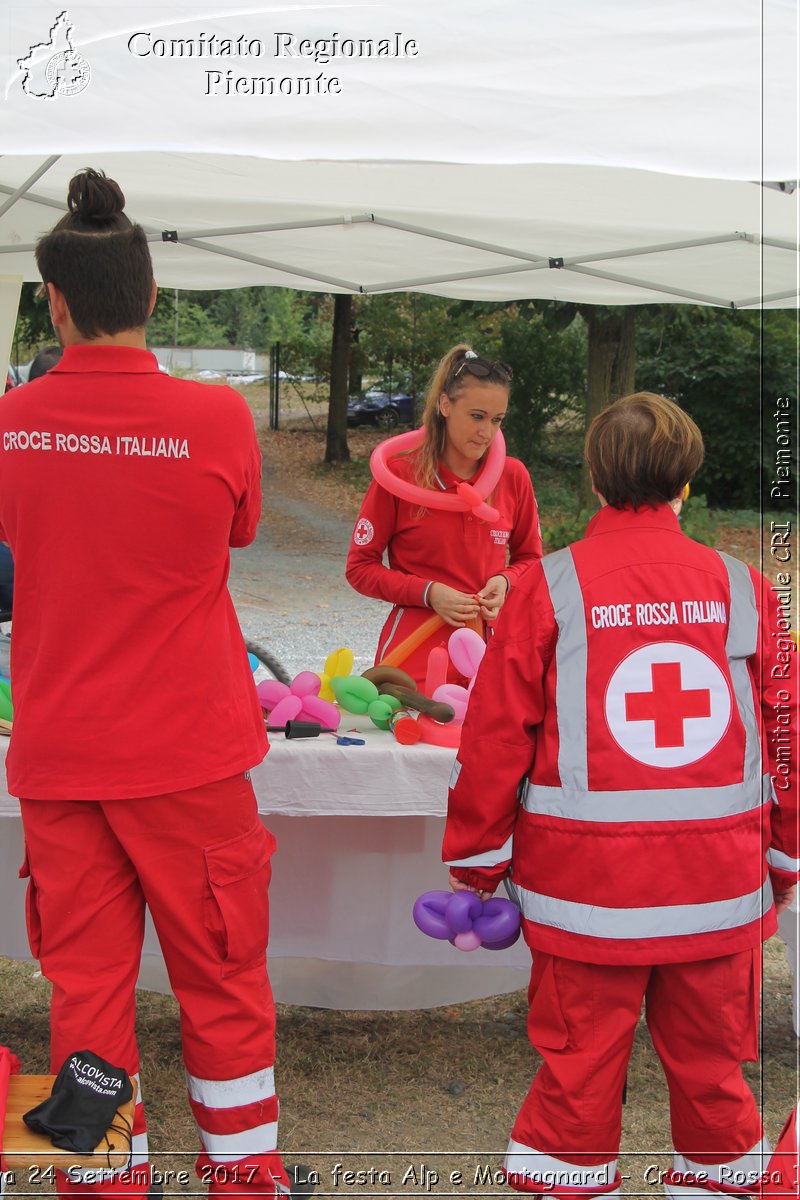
<point x="94" y="197"/>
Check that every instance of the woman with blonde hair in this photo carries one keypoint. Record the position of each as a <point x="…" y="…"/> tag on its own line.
<point x="447" y="568"/>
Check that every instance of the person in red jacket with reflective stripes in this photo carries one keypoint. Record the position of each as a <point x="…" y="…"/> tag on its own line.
<point x="637" y="684"/>
<point x="446" y="569"/>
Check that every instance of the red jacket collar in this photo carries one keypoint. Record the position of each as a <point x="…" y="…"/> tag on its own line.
<point x="113" y="359"/>
<point x="614" y="520"/>
<point x="451" y="480"/>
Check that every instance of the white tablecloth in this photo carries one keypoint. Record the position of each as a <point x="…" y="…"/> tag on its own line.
<point x="359" y="831"/>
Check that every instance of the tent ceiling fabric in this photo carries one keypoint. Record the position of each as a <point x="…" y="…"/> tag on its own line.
<point x="608" y="153"/>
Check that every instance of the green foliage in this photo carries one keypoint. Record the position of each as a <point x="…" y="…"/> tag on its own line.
<point x="549" y="377"/>
<point x="188" y="324"/>
<point x="556" y="534"/>
<point x="725" y="369"/>
<point x="33" y="327"/>
<point x="401" y="337"/>
<point x="698" y="522"/>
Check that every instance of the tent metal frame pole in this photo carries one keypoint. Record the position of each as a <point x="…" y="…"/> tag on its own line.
<point x="278" y="226"/>
<point x="779" y="244"/>
<point x="346" y="284"/>
<point x="397" y="285"/>
<point x="653" y="287"/>
<point x="489" y="247"/>
<point x="21" y="192"/>
<point x="666" y="246"/>
<point x="759" y="300"/>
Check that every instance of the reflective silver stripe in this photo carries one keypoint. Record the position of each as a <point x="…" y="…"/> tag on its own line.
<point x="228" y="1147"/>
<point x="573" y="800"/>
<point x="668" y="920"/>
<point x="571" y="666"/>
<point x="776" y="858"/>
<point x="525" y="1162"/>
<point x="454" y="774"/>
<point x="390" y="635"/>
<point x="232" y="1093"/>
<point x="740" y="645"/>
<point x="741" y="1171"/>
<point x="656" y="804"/>
<point x="489" y="858"/>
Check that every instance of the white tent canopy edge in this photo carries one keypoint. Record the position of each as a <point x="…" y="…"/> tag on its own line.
<point x="612" y="154"/>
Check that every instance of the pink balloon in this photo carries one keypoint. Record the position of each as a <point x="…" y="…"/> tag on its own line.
<point x="322" y="711"/>
<point x="436" y="675"/>
<point x="270" y="692"/>
<point x="454" y="695"/>
<point x="306" y="684"/>
<point x="286" y="710"/>
<point x="466" y="648"/>
<point x="467" y="941"/>
<point x="469" y="496"/>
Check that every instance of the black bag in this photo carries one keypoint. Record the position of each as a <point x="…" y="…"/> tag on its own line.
<point x="86" y="1094"/>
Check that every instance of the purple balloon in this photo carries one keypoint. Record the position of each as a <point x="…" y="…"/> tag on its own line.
<point x="498" y="921"/>
<point x="461" y="911"/>
<point x="428" y="914"/>
<point x="504" y="943"/>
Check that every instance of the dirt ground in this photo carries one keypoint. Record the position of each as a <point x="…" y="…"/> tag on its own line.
<point x="421" y="1102"/>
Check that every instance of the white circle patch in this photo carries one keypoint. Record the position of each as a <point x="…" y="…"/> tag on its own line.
<point x="363" y="532"/>
<point x="667" y="704"/>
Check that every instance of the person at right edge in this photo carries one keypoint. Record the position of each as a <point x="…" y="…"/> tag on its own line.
<point x="633" y="686"/>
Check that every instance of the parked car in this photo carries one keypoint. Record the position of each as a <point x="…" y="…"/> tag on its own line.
<point x="385" y="409"/>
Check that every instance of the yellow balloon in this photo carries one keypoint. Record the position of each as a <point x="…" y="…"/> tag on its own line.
<point x="338" y="662"/>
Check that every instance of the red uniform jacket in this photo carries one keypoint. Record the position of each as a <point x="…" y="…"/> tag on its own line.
<point x="437" y="546"/>
<point x="640" y="687"/>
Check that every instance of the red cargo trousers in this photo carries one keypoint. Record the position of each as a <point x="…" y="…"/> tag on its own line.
<point x="702" y="1018"/>
<point x="200" y="860"/>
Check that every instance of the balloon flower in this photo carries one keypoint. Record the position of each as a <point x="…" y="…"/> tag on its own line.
<point x="339" y="662"/>
<point x="299" y="701"/>
<point x="359" y="695"/>
<point x="466" y="921"/>
<point x="468" y="498"/>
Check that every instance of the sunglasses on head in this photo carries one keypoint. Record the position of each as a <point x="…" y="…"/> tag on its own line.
<point x="481" y="368"/>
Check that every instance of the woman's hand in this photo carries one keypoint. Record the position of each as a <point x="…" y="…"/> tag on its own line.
<point x="492" y="596"/>
<point x="457" y="886"/>
<point x="784" y="899"/>
<point x="456" y="608"/>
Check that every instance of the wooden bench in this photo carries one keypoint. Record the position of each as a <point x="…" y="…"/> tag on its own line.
<point x="23" y="1149"/>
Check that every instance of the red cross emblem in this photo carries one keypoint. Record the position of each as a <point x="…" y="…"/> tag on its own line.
<point x="363" y="532"/>
<point x="668" y="705"/>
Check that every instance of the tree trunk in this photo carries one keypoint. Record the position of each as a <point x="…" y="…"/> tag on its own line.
<point x="355" y="366"/>
<point x="336" y="448"/>
<point x="611" y="368"/>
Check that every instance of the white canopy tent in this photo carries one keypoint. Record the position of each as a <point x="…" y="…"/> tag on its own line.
<point x="620" y="152"/>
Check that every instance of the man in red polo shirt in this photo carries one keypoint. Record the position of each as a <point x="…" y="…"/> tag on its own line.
<point x="136" y="718"/>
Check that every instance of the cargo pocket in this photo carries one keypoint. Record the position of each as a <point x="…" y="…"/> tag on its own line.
<point x="547" y="1028"/>
<point x="748" y="1051"/>
<point x="237" y="907"/>
<point x="33" y="921"/>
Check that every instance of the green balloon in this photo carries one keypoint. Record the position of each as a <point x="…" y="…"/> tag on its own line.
<point x="353" y="692"/>
<point x="380" y="710"/>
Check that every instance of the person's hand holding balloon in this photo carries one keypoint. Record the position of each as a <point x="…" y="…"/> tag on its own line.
<point x="492" y="597"/>
<point x="454" y="607"/>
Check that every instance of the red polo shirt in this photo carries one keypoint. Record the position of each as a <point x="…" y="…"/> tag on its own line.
<point x="121" y="490"/>
<point x="455" y="548"/>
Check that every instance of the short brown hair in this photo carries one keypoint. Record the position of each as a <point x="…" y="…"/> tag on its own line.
<point x="98" y="259"/>
<point x="642" y="449"/>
